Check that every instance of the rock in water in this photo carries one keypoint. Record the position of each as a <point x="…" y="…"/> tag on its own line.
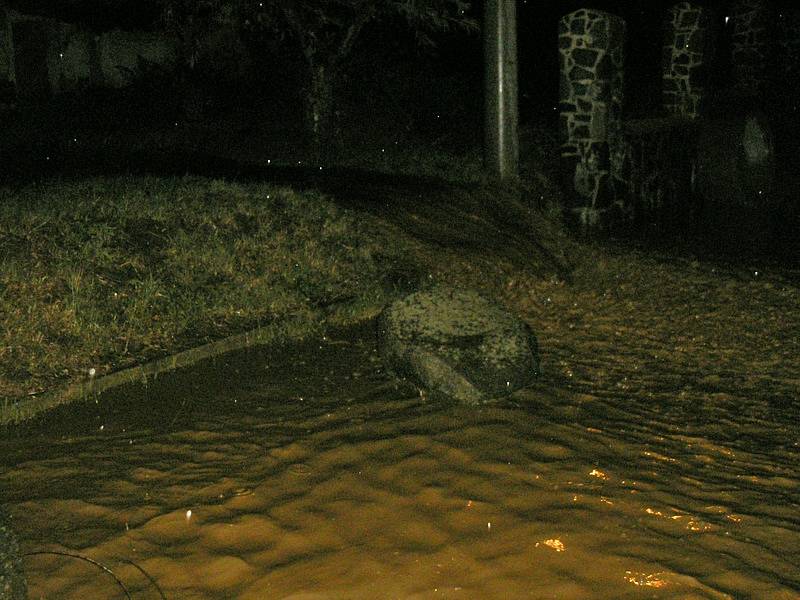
<point x="457" y="344"/>
<point x="12" y="581"/>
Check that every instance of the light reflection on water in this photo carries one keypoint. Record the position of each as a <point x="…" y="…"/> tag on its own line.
<point x="316" y="478"/>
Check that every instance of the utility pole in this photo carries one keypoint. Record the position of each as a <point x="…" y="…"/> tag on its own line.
<point x="501" y="140"/>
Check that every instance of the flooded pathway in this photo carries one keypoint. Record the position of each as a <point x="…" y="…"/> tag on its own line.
<point x="650" y="461"/>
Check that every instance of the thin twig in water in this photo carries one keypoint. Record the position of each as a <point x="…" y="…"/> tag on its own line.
<point x="92" y="561"/>
<point x="149" y="577"/>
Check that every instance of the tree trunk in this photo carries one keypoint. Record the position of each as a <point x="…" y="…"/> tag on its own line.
<point x="320" y="112"/>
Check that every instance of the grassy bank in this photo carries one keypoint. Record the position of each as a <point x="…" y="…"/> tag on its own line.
<point x="105" y="273"/>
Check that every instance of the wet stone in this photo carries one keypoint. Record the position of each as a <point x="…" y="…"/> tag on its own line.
<point x="580" y="89"/>
<point x="578" y="26"/>
<point x="456" y="344"/>
<point x="585" y="58"/>
<point x="580" y="74"/>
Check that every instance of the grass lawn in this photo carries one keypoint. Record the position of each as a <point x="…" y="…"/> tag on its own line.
<point x="107" y="272"/>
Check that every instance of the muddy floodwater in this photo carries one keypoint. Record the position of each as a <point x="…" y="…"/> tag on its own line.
<point x="657" y="457"/>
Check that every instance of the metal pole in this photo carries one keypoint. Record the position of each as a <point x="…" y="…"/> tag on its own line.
<point x="501" y="142"/>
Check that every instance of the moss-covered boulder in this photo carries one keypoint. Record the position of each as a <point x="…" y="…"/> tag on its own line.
<point x="12" y="580"/>
<point x="456" y="343"/>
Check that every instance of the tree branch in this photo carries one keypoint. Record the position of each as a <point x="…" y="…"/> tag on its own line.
<point x="364" y="14"/>
<point x="304" y="36"/>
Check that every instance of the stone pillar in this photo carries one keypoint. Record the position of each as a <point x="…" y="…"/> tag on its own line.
<point x="591" y="49"/>
<point x="688" y="48"/>
<point x="751" y="35"/>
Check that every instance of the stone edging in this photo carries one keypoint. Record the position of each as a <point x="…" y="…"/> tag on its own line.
<point x="28" y="408"/>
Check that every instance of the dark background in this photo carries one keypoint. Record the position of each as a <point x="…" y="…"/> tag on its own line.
<point x="387" y="58"/>
<point x="458" y="55"/>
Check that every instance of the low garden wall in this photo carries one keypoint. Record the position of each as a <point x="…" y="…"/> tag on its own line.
<point x="652" y="173"/>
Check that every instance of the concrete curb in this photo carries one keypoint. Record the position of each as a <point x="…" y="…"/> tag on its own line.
<point x="28" y="408"/>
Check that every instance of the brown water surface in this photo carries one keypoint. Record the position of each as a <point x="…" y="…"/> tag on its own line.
<point x="648" y="462"/>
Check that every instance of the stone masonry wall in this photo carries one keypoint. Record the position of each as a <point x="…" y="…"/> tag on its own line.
<point x="591" y="53"/>
<point x="687" y="44"/>
<point x="752" y="38"/>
